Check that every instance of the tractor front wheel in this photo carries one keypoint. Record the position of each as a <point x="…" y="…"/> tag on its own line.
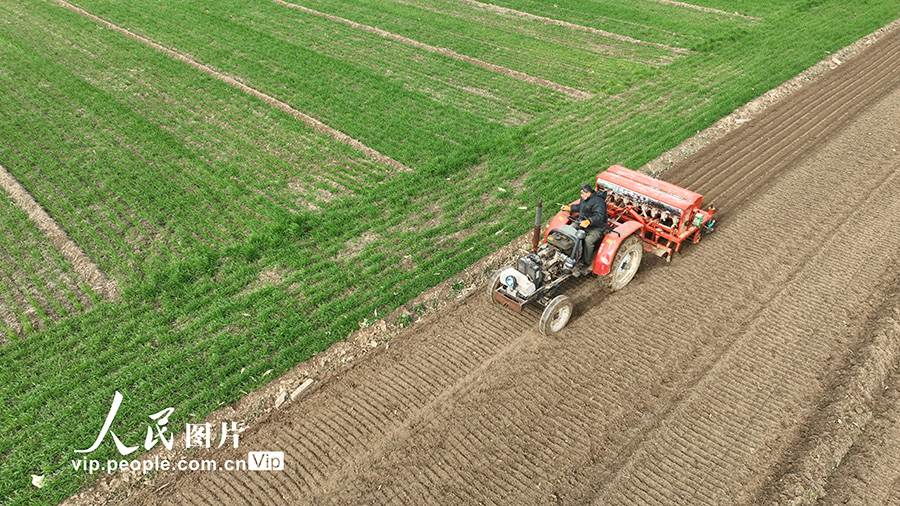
<point x="556" y="315"/>
<point x="625" y="264"/>
<point x="493" y="284"/>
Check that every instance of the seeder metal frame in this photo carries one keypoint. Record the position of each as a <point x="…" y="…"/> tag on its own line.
<point x="668" y="214"/>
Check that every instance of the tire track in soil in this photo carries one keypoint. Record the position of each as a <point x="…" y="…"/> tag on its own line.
<point x="688" y="387"/>
<point x="849" y="452"/>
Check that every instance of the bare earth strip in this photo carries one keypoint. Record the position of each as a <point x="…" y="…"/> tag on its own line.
<point x="699" y="383"/>
<point x="705" y="9"/>
<point x="308" y="120"/>
<point x="82" y="264"/>
<point x="521" y="76"/>
<point x="604" y="33"/>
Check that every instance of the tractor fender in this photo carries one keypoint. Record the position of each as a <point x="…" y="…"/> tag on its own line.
<point x="610" y="245"/>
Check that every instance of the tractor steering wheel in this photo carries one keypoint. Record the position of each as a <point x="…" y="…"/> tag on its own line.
<point x="574" y="221"/>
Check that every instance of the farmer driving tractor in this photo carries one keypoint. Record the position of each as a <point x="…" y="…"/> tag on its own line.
<point x="591" y="211"/>
<point x="644" y="214"/>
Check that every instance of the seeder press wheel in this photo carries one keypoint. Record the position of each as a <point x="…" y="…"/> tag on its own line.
<point x="556" y="315"/>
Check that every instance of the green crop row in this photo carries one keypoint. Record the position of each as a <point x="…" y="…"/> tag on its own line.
<point x="445" y="80"/>
<point x="649" y="21"/>
<point x="575" y="58"/>
<point x="145" y="156"/>
<point x="371" y="107"/>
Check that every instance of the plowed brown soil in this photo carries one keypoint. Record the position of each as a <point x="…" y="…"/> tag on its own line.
<point x="759" y="367"/>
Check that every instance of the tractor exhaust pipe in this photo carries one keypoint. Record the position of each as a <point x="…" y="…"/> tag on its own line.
<point x="536" y="238"/>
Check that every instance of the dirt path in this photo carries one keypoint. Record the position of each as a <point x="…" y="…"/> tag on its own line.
<point x="706" y="9"/>
<point x="707" y="381"/>
<point x="86" y="268"/>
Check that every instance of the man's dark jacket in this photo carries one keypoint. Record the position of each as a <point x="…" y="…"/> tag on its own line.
<point x="592" y="208"/>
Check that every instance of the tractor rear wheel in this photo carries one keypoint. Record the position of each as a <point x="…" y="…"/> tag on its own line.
<point x="556" y="315"/>
<point x="493" y="284"/>
<point x="625" y="265"/>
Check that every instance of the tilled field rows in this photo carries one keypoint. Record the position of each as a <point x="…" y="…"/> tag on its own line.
<point x="849" y="447"/>
<point x="818" y="282"/>
<point x="689" y="387"/>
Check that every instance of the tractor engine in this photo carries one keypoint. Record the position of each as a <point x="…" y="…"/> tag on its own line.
<point x="554" y="258"/>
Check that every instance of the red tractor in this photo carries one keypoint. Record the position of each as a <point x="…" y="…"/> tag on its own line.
<point x="645" y="214"/>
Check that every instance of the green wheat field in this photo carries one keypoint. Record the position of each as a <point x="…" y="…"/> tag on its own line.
<point x="243" y="241"/>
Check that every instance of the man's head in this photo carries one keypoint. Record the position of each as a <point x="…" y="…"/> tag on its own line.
<point x="586" y="191"/>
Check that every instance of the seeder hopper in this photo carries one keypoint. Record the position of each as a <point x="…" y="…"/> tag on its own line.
<point x="644" y="214"/>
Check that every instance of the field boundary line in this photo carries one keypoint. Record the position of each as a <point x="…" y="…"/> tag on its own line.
<point x="706" y="9"/>
<point x="515" y="74"/>
<point x="272" y="101"/>
<point x="551" y="21"/>
<point x="81" y="263"/>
